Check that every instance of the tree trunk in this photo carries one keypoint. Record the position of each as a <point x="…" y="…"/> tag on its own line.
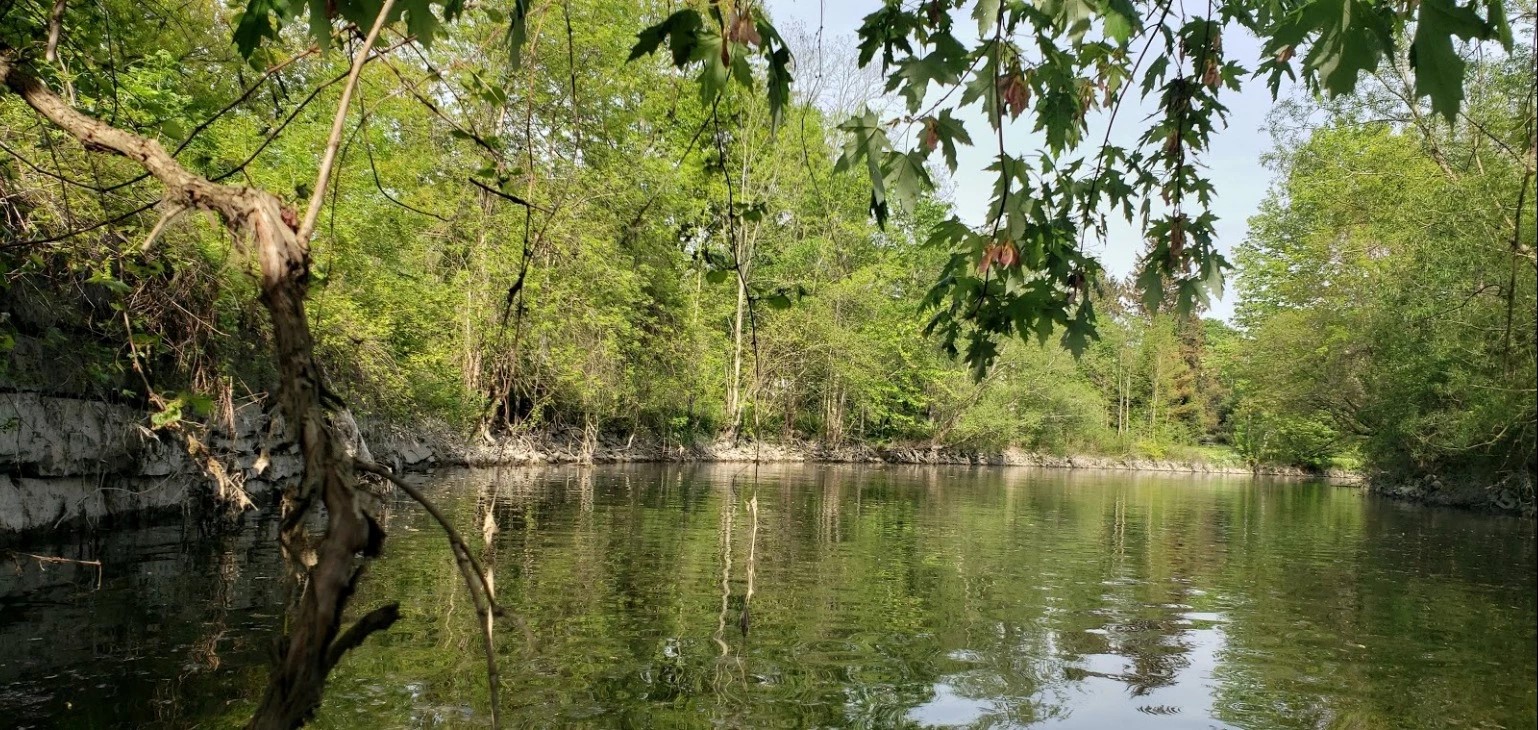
<point x="326" y="433"/>
<point x="734" y="387"/>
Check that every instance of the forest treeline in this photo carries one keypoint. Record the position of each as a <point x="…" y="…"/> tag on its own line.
<point x="581" y="243"/>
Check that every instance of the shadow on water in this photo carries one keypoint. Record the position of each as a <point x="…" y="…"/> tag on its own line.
<point x="833" y="596"/>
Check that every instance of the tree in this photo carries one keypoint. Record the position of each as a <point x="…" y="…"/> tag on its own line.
<point x="1027" y="274"/>
<point x="1027" y="271"/>
<point x="1387" y="286"/>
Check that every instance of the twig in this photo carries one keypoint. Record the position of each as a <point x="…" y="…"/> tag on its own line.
<point x="54" y="559"/>
<point x="368" y="150"/>
<point x="57" y="176"/>
<point x="174" y="210"/>
<point x="475" y="576"/>
<point x="432" y="509"/>
<point x="505" y="196"/>
<point x="273" y="134"/>
<point x="240" y="99"/>
<point x="376" y="620"/>
<point x="78" y="231"/>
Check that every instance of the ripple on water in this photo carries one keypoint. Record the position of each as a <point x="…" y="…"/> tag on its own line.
<point x="883" y="597"/>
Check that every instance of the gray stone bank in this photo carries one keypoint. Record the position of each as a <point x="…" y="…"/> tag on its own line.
<point x="73" y="461"/>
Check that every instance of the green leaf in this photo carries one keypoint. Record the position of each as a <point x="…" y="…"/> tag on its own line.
<point x="1498" y="23"/>
<point x="1071" y="16"/>
<point x="201" y="404"/>
<point x="712" y="80"/>
<point x="1080" y="330"/>
<point x="867" y="142"/>
<point x="986" y="13"/>
<point x="422" y="24"/>
<point x="170" y="415"/>
<point x="779" y="83"/>
<point x="742" y="73"/>
<point x="1354" y="35"/>
<point x="255" y="24"/>
<point x="981" y="352"/>
<point x="949" y="131"/>
<point x="1121" y="19"/>
<point x="943" y="65"/>
<point x="1438" y="68"/>
<point x="320" y="25"/>
<point x="906" y="177"/>
<point x="886" y="30"/>
<point x="110" y="282"/>
<point x="517" y="33"/>
<point x="682" y="28"/>
<point x="1151" y="283"/>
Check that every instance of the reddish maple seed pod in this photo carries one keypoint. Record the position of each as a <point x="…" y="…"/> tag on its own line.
<point x="1177" y="240"/>
<point x="1211" y="77"/>
<point x="931" y="134"/>
<point x="1014" y="93"/>
<point x="1008" y="256"/>
<point x="743" y="31"/>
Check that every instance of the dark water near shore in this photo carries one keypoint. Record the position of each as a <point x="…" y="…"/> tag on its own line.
<point x="874" y="597"/>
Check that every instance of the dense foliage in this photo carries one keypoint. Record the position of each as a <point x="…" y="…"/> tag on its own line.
<point x="678" y="269"/>
<point x="580" y="238"/>
<point x="1388" y="283"/>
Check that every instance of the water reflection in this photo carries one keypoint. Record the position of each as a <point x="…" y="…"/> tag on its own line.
<point x="832" y="596"/>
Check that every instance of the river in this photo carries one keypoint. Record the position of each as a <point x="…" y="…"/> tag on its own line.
<point x="827" y="596"/>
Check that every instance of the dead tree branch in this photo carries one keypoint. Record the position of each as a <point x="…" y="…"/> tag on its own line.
<point x="476" y="581"/>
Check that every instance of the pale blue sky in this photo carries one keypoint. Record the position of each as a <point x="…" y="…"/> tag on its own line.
<point x="1233" y="162"/>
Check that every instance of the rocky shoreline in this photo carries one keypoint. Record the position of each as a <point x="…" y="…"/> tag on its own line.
<point x="87" y="464"/>
<point x="1509" y="496"/>
<point x="545" y="449"/>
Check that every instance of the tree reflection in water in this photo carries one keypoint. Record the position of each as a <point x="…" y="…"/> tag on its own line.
<point x="693" y="596"/>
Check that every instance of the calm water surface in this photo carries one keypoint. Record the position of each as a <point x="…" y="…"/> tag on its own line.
<point x="721" y="596"/>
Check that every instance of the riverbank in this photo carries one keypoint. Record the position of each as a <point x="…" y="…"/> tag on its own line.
<point x="573" y="449"/>
<point x="72" y="462"/>
<point x="1508" y="496"/>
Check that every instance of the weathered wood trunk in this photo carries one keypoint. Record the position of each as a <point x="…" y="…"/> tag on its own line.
<point x="329" y="565"/>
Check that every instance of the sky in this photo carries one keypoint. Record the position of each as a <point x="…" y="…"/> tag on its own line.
<point x="1233" y="162"/>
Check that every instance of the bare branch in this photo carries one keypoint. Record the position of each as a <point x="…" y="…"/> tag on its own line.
<point x="240" y="99"/>
<point x="368" y="149"/>
<point x="475" y="577"/>
<point x="172" y="211"/>
<point x="77" y="231"/>
<point x="57" y="176"/>
<point x="328" y="159"/>
<point x="50" y="559"/>
<point x="505" y="196"/>
<point x="372" y="622"/>
<point x="55" y="22"/>
<point x="415" y="94"/>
